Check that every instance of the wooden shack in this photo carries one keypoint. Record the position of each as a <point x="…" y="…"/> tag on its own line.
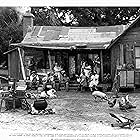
<point x="67" y="46"/>
<point x="125" y="56"/>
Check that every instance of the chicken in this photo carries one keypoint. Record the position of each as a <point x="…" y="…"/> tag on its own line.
<point x="125" y="104"/>
<point x="123" y="100"/>
<point x="122" y="106"/>
<point x="128" y="103"/>
<point x="51" y="93"/>
<point x="112" y="103"/>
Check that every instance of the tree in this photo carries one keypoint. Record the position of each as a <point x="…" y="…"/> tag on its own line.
<point x="10" y="29"/>
<point x="97" y="16"/>
<point x="45" y="16"/>
<point x="84" y="16"/>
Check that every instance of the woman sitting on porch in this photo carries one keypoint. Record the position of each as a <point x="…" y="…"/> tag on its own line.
<point x="58" y="71"/>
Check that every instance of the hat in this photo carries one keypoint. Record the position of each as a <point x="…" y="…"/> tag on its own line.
<point x="48" y="72"/>
<point x="33" y="72"/>
<point x="44" y="79"/>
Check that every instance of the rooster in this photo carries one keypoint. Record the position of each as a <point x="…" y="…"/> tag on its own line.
<point x="122" y="104"/>
<point x="112" y="103"/>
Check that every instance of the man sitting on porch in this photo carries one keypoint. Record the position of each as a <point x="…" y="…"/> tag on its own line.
<point x="34" y="80"/>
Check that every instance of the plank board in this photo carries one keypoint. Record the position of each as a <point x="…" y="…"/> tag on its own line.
<point x="130" y="78"/>
<point x="137" y="78"/>
<point x="123" y="79"/>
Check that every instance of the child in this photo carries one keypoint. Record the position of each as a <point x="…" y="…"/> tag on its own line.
<point x="34" y="80"/>
<point x="94" y="80"/>
<point x="65" y="80"/>
<point x="83" y="81"/>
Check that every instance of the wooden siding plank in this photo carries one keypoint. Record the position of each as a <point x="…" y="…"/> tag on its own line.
<point x="122" y="78"/>
<point x="137" y="78"/>
<point x="121" y="54"/>
<point x="130" y="77"/>
<point x="101" y="59"/>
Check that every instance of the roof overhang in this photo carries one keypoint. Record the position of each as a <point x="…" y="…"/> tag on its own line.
<point x="10" y="50"/>
<point x="119" y="36"/>
<point x="64" y="45"/>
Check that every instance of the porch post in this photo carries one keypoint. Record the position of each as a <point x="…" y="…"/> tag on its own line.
<point x="9" y="64"/>
<point x="49" y="57"/>
<point x="22" y="65"/>
<point x="101" y="62"/>
<point x="78" y="63"/>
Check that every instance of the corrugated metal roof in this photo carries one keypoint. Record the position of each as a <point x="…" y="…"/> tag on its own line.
<point x="51" y="35"/>
<point x="35" y="31"/>
<point x="60" y="35"/>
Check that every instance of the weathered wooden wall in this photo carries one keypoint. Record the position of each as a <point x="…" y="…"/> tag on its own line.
<point x="115" y="54"/>
<point x="129" y="40"/>
<point x="14" y="70"/>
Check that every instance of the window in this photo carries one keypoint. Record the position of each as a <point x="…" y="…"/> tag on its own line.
<point x="137" y="57"/>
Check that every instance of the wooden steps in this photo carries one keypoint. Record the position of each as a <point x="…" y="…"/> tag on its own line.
<point x="74" y="86"/>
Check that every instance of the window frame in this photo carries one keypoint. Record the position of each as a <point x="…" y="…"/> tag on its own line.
<point x="136" y="57"/>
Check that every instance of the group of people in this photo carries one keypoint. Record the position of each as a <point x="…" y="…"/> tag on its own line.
<point x="88" y="77"/>
<point x="57" y="75"/>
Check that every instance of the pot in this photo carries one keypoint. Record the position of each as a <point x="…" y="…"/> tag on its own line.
<point x="40" y="104"/>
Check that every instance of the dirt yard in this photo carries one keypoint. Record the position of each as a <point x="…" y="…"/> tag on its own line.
<point x="75" y="111"/>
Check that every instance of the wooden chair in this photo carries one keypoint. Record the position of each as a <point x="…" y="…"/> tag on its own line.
<point x="17" y="94"/>
<point x="21" y="85"/>
<point x="5" y="94"/>
<point x="20" y="93"/>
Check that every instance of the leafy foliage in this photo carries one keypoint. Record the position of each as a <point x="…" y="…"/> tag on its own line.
<point x="98" y="16"/>
<point x="10" y="29"/>
<point x="45" y="16"/>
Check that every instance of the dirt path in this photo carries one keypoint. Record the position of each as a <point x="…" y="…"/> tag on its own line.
<point x="75" y="111"/>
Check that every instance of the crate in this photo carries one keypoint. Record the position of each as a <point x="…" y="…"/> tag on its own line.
<point x="9" y="103"/>
<point x="20" y="93"/>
